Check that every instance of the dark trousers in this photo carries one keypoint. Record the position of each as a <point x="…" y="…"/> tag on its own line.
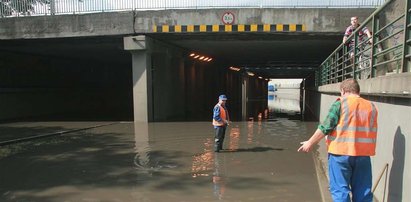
<point x="219" y="138"/>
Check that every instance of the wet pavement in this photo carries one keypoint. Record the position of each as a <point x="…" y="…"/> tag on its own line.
<point x="160" y="162"/>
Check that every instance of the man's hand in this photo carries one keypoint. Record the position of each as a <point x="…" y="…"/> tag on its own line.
<point x="305" y="146"/>
<point x="315" y="138"/>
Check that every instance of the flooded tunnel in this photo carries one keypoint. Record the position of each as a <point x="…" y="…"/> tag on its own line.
<point x="90" y="78"/>
<point x="71" y="90"/>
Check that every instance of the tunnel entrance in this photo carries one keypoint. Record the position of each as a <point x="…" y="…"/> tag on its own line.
<point x="285" y="99"/>
<point x="90" y="78"/>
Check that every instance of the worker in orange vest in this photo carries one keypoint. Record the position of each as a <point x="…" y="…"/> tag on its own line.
<point x="220" y="122"/>
<point x="350" y="129"/>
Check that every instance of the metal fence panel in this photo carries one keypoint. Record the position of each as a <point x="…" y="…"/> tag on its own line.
<point x="16" y="8"/>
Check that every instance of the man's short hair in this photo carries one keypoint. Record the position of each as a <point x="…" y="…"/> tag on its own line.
<point x="356" y="17"/>
<point x="350" y="86"/>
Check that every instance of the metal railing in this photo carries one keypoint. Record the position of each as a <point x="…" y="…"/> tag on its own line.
<point x="16" y="8"/>
<point x="387" y="52"/>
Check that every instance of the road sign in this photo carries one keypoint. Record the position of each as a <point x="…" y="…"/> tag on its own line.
<point x="228" y="18"/>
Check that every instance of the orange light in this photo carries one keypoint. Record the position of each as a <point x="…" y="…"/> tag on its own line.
<point x="210" y="59"/>
<point x="196" y="56"/>
<point x="202" y="57"/>
<point x="192" y="54"/>
<point x="235" y="68"/>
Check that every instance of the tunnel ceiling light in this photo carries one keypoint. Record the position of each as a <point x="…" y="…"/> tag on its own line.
<point x="250" y="74"/>
<point x="260" y="77"/>
<point x="201" y="57"/>
<point x="234" y="68"/>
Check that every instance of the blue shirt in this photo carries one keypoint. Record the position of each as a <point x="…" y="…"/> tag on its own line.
<point x="216" y="113"/>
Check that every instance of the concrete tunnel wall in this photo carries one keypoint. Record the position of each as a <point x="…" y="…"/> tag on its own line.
<point x="35" y="87"/>
<point x="38" y="87"/>
<point x="185" y="89"/>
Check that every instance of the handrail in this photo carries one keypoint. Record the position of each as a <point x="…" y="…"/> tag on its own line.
<point x="20" y="8"/>
<point x="385" y="54"/>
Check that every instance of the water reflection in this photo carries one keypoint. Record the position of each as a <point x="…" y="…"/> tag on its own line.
<point x="218" y="177"/>
<point x="178" y="158"/>
<point x="234" y="138"/>
<point x="284" y="101"/>
<point x="142" y="148"/>
<point x="202" y="164"/>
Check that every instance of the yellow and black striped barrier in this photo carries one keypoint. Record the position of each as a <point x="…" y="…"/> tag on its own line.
<point x="230" y="28"/>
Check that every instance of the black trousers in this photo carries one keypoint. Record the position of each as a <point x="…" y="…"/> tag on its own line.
<point x="219" y="138"/>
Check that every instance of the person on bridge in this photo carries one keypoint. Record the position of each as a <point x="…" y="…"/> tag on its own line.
<point x="220" y="122"/>
<point x="350" y="129"/>
<point x="350" y="29"/>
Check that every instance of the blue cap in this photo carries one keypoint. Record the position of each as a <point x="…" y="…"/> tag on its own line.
<point x="222" y="97"/>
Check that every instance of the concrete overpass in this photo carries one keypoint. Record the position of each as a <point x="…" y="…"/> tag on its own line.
<point x="89" y="51"/>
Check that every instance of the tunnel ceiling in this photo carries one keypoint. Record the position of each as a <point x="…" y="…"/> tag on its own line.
<point x="272" y="55"/>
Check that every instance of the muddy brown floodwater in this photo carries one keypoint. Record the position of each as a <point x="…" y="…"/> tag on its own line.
<point x="160" y="162"/>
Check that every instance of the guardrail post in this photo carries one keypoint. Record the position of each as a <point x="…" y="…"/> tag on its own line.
<point x="354" y="64"/>
<point x="52" y="7"/>
<point x="405" y="63"/>
<point x="375" y="29"/>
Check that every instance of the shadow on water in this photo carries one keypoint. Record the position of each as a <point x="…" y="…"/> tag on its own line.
<point x="254" y="149"/>
<point x="76" y="160"/>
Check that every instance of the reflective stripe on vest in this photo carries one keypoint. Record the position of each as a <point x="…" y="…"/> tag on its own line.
<point x="356" y="132"/>
<point x="353" y="140"/>
<point x="223" y="116"/>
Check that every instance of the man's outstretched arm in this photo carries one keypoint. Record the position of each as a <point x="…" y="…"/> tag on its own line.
<point x="307" y="145"/>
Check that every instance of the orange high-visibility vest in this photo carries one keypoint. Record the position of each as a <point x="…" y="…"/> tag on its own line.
<point x="223" y="116"/>
<point x="356" y="131"/>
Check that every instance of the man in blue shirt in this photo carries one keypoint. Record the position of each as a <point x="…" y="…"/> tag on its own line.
<point x="220" y="122"/>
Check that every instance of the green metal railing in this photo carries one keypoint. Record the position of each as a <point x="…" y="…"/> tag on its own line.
<point x="387" y="52"/>
<point x="21" y="8"/>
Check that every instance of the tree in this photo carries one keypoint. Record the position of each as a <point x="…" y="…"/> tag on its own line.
<point x="19" y="7"/>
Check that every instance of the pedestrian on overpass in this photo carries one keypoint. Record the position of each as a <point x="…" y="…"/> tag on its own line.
<point x="220" y="122"/>
<point x="350" y="29"/>
<point x="350" y="129"/>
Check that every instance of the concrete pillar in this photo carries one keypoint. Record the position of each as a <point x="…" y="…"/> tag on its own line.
<point x="141" y="64"/>
<point x="244" y="98"/>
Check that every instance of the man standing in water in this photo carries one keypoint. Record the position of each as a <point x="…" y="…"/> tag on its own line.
<point x="220" y="122"/>
<point x="350" y="129"/>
